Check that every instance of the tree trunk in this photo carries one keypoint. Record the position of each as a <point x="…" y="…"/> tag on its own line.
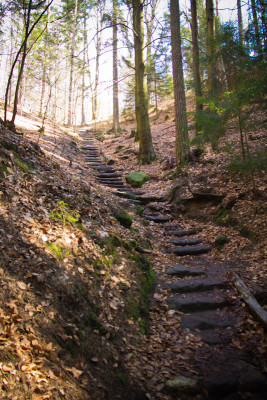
<point x="72" y="62"/>
<point x="22" y="47"/>
<point x="116" y="123"/>
<point x="211" y="64"/>
<point x="182" y="145"/>
<point x="240" y="23"/>
<point x="98" y="53"/>
<point x="23" y="58"/>
<point x="83" y="69"/>
<point x="256" y="27"/>
<point x="263" y="7"/>
<point x="146" y="151"/>
<point x="196" y="69"/>
<point x="150" y="23"/>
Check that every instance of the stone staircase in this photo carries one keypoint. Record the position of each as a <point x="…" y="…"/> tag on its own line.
<point x="200" y="292"/>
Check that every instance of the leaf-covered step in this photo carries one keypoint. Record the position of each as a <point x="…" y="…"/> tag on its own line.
<point x="190" y="251"/>
<point x="195" y="285"/>
<point x="185" y="242"/>
<point x="208" y="320"/>
<point x="180" y="270"/>
<point x="157" y="218"/>
<point x="198" y="301"/>
<point x="182" y="232"/>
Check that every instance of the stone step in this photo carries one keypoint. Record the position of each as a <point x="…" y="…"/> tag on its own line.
<point x="234" y="375"/>
<point x="103" y="168"/>
<point x="89" y="149"/>
<point x="189" y="251"/>
<point x="206" y="320"/>
<point x="148" y="199"/>
<point x="109" y="179"/>
<point x="125" y="195"/>
<point x="198" y="301"/>
<point x="94" y="160"/>
<point x="185" y="242"/>
<point x="110" y="174"/>
<point x="136" y="202"/>
<point x="212" y="337"/>
<point x="180" y="270"/>
<point x="157" y="218"/>
<point x="182" y="232"/>
<point x="195" y="285"/>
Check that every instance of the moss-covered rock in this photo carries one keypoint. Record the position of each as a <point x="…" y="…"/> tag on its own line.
<point x="124" y="219"/>
<point x="221" y="240"/>
<point x="137" y="179"/>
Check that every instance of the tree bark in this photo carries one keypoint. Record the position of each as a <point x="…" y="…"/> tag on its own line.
<point x="256" y="27"/>
<point x="72" y="62"/>
<point x="250" y="300"/>
<point x="146" y="151"/>
<point x="23" y="58"/>
<point x="196" y="69"/>
<point x="116" y="123"/>
<point x="240" y="23"/>
<point x="150" y="18"/>
<point x="17" y="57"/>
<point x="211" y="64"/>
<point x="83" y="68"/>
<point x="98" y="53"/>
<point x="182" y="140"/>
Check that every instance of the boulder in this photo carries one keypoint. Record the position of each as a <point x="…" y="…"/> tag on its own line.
<point x="182" y="385"/>
<point x="124" y="219"/>
<point x="137" y="179"/>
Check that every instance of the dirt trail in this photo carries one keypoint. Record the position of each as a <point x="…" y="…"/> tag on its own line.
<point x="198" y="295"/>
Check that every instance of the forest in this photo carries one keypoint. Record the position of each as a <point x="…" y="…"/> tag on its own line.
<point x="133" y="199"/>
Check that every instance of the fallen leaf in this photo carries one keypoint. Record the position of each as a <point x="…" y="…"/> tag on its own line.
<point x="22" y="285"/>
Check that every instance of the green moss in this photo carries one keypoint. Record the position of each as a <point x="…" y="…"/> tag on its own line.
<point x="245" y="232"/>
<point x="145" y="289"/>
<point x="221" y="240"/>
<point x="124" y="219"/>
<point x="140" y="210"/>
<point x="119" y="148"/>
<point x="93" y="322"/>
<point x="122" y="378"/>
<point x="137" y="179"/>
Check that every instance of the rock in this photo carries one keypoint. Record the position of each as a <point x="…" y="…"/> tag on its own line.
<point x="180" y="270"/>
<point x="157" y="218"/>
<point x="124" y="219"/>
<point x="109" y="160"/>
<point x="221" y="240"/>
<point x="197" y="302"/>
<point x="185" y="242"/>
<point x="189" y="251"/>
<point x="207" y="320"/>
<point x="235" y="375"/>
<point x="181" y="233"/>
<point x="137" y="179"/>
<point x="182" y="385"/>
<point x="195" y="285"/>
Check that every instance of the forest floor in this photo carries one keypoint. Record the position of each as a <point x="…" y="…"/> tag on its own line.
<point x="76" y="284"/>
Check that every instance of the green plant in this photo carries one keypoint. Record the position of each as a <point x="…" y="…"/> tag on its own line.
<point x="140" y="210"/>
<point x="22" y="166"/>
<point x="55" y="249"/>
<point x="63" y="215"/>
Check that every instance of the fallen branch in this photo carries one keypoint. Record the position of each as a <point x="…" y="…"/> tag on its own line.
<point x="250" y="300"/>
